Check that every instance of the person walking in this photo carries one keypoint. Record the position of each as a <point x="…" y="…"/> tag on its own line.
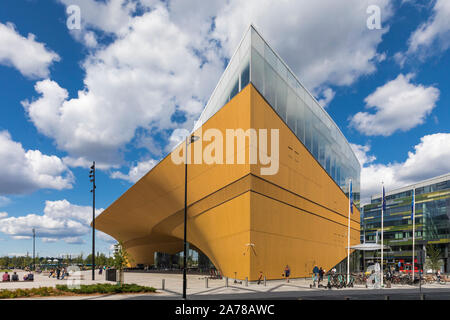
<point x="315" y="272"/>
<point x="58" y="273"/>
<point x="64" y="273"/>
<point x="260" y="277"/>
<point x="321" y="273"/>
<point x="388" y="278"/>
<point x="287" y="272"/>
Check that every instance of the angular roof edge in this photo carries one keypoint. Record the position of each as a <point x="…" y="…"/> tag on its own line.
<point x="306" y="89"/>
<point x="249" y="28"/>
<point x="423" y="183"/>
<point x="222" y="76"/>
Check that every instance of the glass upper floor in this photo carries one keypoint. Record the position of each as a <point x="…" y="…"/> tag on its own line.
<point x="255" y="62"/>
<point x="432" y="213"/>
<point x="429" y="186"/>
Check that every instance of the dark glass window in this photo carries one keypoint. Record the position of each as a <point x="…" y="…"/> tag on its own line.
<point x="235" y="89"/>
<point x="315" y="147"/>
<point x="308" y="136"/>
<point x="245" y="76"/>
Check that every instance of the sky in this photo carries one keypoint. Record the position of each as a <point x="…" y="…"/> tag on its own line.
<point x="119" y="87"/>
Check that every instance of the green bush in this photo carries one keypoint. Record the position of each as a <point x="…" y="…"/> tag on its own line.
<point x="19" y="293"/>
<point x="83" y="289"/>
<point x="106" y="288"/>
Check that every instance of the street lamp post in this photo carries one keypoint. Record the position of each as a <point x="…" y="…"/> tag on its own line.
<point x="192" y="139"/>
<point x="34" y="249"/>
<point x="92" y="176"/>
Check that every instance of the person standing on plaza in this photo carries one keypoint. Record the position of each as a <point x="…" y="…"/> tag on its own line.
<point x="321" y="273"/>
<point x="388" y="278"/>
<point x="58" y="273"/>
<point x="287" y="272"/>
<point x="315" y="275"/>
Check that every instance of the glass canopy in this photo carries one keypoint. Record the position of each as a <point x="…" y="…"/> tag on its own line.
<point x="255" y="62"/>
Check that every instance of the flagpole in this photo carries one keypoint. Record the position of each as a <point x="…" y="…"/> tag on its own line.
<point x="382" y="232"/>
<point x="414" y="227"/>
<point x="348" y="232"/>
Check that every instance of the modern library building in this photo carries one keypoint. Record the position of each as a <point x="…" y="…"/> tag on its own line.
<point x="243" y="219"/>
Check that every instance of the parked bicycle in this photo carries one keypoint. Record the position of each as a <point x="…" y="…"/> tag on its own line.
<point x="339" y="281"/>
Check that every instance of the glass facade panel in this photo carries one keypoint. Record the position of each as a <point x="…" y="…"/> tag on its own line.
<point x="245" y="76"/>
<point x="312" y="124"/>
<point x="293" y="103"/>
<point x="291" y="109"/>
<point x="257" y="71"/>
<point x="235" y="77"/>
<point x="234" y="89"/>
<point x="308" y="128"/>
<point x="300" y="120"/>
<point x="270" y="89"/>
<point x="282" y="96"/>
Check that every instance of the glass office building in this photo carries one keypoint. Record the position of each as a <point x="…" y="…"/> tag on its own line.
<point x="432" y="220"/>
<point x="255" y="62"/>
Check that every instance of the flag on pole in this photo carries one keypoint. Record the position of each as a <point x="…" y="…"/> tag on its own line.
<point x="412" y="206"/>
<point x="351" y="198"/>
<point x="384" y="201"/>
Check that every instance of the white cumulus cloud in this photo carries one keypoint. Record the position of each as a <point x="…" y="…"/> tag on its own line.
<point x="400" y="105"/>
<point x="136" y="172"/>
<point x="24" y="171"/>
<point x="136" y="82"/>
<point x="324" y="42"/>
<point x="168" y="56"/>
<point x="433" y="149"/>
<point x="435" y="29"/>
<point x="29" y="57"/>
<point x="61" y="220"/>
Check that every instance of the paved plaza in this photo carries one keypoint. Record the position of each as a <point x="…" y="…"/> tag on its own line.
<point x="217" y="288"/>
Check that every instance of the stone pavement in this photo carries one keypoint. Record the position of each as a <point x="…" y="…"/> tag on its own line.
<point x="173" y="284"/>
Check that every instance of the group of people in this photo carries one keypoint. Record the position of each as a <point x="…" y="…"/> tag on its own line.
<point x="318" y="275"/>
<point x="58" y="273"/>
<point x="101" y="269"/>
<point x="15" y="277"/>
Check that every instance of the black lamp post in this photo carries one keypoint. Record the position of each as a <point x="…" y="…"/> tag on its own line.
<point x="191" y="140"/>
<point x="34" y="249"/>
<point x="92" y="176"/>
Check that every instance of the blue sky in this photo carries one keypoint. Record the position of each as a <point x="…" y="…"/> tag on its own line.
<point x="120" y="89"/>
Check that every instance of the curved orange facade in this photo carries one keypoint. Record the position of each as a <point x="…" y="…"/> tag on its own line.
<point x="245" y="222"/>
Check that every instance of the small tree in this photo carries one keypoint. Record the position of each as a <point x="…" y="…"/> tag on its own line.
<point x="121" y="260"/>
<point x="433" y="261"/>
